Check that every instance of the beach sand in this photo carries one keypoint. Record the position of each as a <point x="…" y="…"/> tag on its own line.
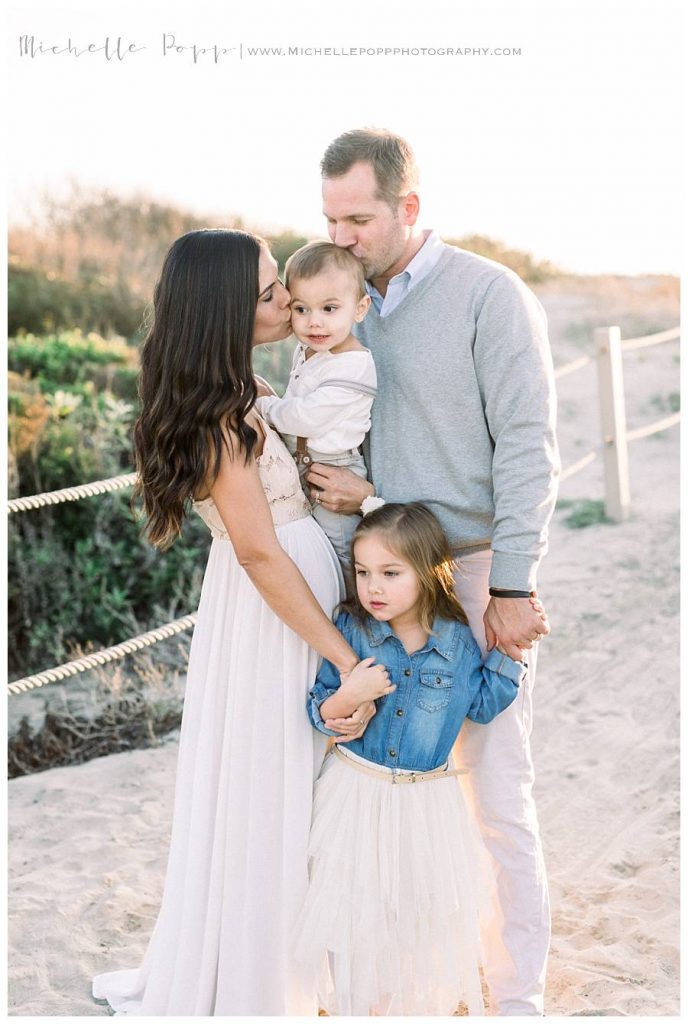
<point x="88" y="843"/>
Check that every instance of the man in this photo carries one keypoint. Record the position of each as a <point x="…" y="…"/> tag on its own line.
<point x="464" y="421"/>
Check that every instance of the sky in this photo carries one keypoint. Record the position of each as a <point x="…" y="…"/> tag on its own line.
<point x="567" y="148"/>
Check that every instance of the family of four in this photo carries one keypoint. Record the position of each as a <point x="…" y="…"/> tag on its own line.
<point x="354" y="828"/>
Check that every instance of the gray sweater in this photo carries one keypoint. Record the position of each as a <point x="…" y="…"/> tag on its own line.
<point x="465" y="414"/>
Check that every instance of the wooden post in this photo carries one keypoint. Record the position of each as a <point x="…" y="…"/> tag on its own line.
<point x="613" y="421"/>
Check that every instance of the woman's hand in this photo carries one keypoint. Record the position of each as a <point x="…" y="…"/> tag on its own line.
<point x="265" y="389"/>
<point x="366" y="682"/>
<point x="352" y="728"/>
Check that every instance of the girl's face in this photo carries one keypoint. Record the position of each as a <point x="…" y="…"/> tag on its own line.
<point x="273" y="316"/>
<point x="387" y="585"/>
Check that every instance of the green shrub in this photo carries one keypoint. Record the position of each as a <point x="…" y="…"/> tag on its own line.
<point x="40" y="301"/>
<point x="586" y="513"/>
<point x="79" y="572"/>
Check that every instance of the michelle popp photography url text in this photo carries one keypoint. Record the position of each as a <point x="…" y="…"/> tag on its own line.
<point x="118" y="49"/>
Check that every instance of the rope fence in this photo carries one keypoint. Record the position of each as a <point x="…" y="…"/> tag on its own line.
<point x="115" y="483"/>
<point x="609" y="350"/>
<point x="89" y="661"/>
<point x="648" y="340"/>
<point x="576" y="364"/>
<point x="615" y="437"/>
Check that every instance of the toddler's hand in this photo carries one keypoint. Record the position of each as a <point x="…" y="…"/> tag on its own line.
<point x="367" y="682"/>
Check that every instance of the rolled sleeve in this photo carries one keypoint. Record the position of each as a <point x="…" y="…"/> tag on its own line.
<point x="503" y="665"/>
<point x="499" y="682"/>
<point x="317" y="695"/>
<point x="326" y="683"/>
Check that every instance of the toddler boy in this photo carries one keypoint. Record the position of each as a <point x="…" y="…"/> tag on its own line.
<point x="325" y="412"/>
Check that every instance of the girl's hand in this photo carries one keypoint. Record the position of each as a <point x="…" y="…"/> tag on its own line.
<point x="537" y="605"/>
<point x="352" y="728"/>
<point x="366" y="682"/>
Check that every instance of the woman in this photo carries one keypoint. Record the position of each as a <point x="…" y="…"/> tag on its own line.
<point x="237" y="868"/>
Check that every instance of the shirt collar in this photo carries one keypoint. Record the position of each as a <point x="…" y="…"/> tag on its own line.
<point x="445" y="633"/>
<point x="428" y="253"/>
<point x="426" y="257"/>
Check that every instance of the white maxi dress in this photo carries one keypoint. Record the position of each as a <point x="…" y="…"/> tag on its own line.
<point x="248" y="757"/>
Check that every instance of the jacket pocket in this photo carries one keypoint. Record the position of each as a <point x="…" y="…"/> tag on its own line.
<point x="434" y="692"/>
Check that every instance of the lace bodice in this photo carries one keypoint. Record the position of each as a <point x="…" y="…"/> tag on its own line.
<point x="281" y="483"/>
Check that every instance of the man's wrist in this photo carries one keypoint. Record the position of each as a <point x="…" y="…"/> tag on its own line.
<point x="512" y="571"/>
<point x="499" y="592"/>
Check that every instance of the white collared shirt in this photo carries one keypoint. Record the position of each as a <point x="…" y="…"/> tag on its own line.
<point x="327" y="401"/>
<point x="401" y="284"/>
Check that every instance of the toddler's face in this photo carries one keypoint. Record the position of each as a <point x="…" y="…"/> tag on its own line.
<point x="387" y="585"/>
<point x="324" y="307"/>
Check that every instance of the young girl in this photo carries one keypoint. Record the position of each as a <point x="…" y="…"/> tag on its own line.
<point x="390" y="921"/>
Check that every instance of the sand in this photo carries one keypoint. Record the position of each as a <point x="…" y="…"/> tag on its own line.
<point x="88" y="843"/>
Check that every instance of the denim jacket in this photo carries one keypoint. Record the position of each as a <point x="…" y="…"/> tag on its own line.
<point x="437" y="687"/>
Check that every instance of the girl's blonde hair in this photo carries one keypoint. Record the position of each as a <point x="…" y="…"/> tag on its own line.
<point x="413" y="532"/>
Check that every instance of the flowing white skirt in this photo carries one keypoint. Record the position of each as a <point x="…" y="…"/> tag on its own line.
<point x="248" y="757"/>
<point x="390" y="922"/>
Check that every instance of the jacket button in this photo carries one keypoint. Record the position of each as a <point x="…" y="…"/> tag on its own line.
<point x="407" y="671"/>
<point x="392" y="753"/>
<point x="399" y="712"/>
<point x="438" y="680"/>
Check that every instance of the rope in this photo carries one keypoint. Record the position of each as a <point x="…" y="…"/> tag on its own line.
<point x="577" y="466"/>
<point x="653" y="428"/>
<point x="627" y="345"/>
<point x="631" y="435"/>
<point x="72" y="668"/>
<point x="576" y="364"/>
<point x="115" y="483"/>
<point x="651" y="339"/>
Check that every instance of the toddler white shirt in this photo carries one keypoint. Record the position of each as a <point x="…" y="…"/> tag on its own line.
<point x="327" y="401"/>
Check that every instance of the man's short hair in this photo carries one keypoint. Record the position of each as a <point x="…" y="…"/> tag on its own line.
<point x="313" y="258"/>
<point x="392" y="159"/>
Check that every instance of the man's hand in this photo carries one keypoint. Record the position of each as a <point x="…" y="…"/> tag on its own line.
<point x="352" y="728"/>
<point x="514" y="624"/>
<point x="338" y="489"/>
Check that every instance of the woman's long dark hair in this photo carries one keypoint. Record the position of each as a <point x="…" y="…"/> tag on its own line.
<point x="196" y="375"/>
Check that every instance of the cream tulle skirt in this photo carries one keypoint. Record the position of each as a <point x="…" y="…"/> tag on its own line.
<point x="390" y="922"/>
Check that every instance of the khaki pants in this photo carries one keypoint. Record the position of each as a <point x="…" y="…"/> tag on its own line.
<point x="499" y="789"/>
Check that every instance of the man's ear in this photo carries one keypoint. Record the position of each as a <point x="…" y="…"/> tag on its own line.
<point x="362" y="308"/>
<point x="410" y="208"/>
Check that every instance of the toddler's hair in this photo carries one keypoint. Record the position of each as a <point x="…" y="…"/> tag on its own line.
<point x="413" y="532"/>
<point x="313" y="258"/>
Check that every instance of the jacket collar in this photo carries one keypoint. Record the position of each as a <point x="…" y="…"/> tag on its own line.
<point x="445" y="634"/>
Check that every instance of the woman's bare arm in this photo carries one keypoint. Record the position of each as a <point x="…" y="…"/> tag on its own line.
<point x="244" y="510"/>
